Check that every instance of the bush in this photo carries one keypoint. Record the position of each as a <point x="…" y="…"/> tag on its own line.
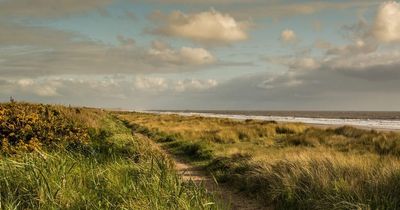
<point x="28" y="127"/>
<point x="352" y="132"/>
<point x="284" y="130"/>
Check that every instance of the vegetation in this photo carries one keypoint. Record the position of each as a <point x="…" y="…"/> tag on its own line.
<point x="289" y="166"/>
<point x="27" y="127"/>
<point x="53" y="157"/>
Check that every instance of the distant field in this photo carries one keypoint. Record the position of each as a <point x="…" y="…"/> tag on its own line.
<point x="286" y="165"/>
<point x="312" y="114"/>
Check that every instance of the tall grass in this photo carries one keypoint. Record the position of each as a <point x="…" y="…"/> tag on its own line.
<point x="113" y="170"/>
<point x="289" y="166"/>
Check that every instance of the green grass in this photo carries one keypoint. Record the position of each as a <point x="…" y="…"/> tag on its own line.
<point x="288" y="166"/>
<point x="115" y="170"/>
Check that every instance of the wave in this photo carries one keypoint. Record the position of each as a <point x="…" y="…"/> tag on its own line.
<point x="364" y="123"/>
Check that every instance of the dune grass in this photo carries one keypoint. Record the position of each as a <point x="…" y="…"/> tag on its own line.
<point x="110" y="169"/>
<point x="287" y="165"/>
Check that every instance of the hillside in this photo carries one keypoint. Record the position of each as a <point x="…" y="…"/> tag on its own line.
<point x="54" y="157"/>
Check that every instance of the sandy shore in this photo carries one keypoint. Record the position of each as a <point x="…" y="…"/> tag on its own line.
<point x="376" y="124"/>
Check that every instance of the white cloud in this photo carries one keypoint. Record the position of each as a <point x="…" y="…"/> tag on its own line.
<point x="196" y="55"/>
<point x="151" y="83"/>
<point x="288" y="36"/>
<point x="306" y="63"/>
<point x="185" y="55"/>
<point x="209" y="26"/>
<point x="359" y="46"/>
<point x="296" y="63"/>
<point x="160" y="84"/>
<point x="88" y="57"/>
<point x="194" y="84"/>
<point x="364" y="62"/>
<point x="47" y="88"/>
<point x="387" y="23"/>
<point x="25" y="82"/>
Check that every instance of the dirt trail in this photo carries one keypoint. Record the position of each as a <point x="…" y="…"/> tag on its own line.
<point x="233" y="199"/>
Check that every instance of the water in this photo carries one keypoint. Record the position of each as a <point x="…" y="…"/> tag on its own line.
<point x="370" y="120"/>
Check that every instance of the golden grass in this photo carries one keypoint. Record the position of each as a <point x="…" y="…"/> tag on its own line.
<point x="289" y="165"/>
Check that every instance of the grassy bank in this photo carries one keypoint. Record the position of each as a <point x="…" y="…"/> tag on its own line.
<point x="289" y="166"/>
<point x="53" y="157"/>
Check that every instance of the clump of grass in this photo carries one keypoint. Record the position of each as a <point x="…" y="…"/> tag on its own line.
<point x="352" y="132"/>
<point x="193" y="150"/>
<point x="289" y="128"/>
<point x="231" y="169"/>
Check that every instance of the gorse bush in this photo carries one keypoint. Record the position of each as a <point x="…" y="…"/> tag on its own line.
<point x="28" y="127"/>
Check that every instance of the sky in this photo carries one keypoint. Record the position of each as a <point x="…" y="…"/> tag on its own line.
<point x="202" y="54"/>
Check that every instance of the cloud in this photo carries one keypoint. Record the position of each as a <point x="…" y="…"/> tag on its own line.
<point x="285" y="9"/>
<point x="194" y="84"/>
<point x="207" y="27"/>
<point x="126" y="41"/>
<point x="387" y="23"/>
<point x="75" y="88"/>
<point x="199" y="2"/>
<point x="151" y="83"/>
<point x="42" y="88"/>
<point x="359" y="46"/>
<point x="48" y="8"/>
<point x="32" y="51"/>
<point x="354" y="60"/>
<point x="288" y="36"/>
<point x="28" y="51"/>
<point x="311" y="90"/>
<point x="322" y="44"/>
<point x="183" y="56"/>
<point x="13" y="34"/>
<point x="351" y="74"/>
<point x="372" y="66"/>
<point x="160" y="84"/>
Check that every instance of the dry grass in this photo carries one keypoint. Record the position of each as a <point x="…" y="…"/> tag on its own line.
<point x="292" y="166"/>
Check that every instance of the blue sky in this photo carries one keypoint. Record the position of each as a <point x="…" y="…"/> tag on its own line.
<point x="222" y="54"/>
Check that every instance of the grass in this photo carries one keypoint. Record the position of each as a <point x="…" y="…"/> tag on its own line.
<point x="289" y="166"/>
<point x="111" y="169"/>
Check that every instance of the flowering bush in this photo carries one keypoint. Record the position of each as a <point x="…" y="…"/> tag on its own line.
<point x="28" y="127"/>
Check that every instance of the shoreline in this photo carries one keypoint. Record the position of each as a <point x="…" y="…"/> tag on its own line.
<point x="380" y="125"/>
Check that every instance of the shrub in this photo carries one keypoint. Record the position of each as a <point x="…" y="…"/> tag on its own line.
<point x="353" y="132"/>
<point x="284" y="130"/>
<point x="30" y="126"/>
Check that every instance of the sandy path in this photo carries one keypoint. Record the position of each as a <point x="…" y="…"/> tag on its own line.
<point x="230" y="197"/>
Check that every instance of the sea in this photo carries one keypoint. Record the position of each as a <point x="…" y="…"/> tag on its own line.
<point x="378" y="120"/>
